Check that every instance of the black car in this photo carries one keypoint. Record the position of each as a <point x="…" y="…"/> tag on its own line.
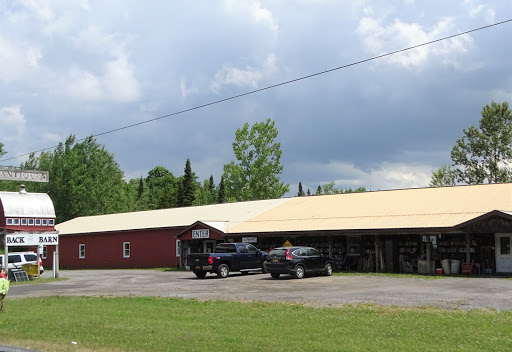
<point x="297" y="261"/>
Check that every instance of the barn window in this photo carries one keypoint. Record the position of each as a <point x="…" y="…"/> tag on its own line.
<point x="45" y="252"/>
<point x="38" y="222"/>
<point x="30" y="222"/>
<point x="10" y="221"/>
<point x="126" y="249"/>
<point x="24" y="222"/>
<point x="51" y="222"/>
<point x="16" y="221"/>
<point x="45" y="222"/>
<point x="81" y="251"/>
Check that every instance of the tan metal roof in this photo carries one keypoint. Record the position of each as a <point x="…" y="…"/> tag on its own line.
<point x="220" y="216"/>
<point x="27" y="205"/>
<point x="422" y="208"/>
<point x="398" y="209"/>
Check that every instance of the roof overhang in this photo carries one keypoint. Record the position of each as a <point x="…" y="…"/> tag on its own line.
<point x="492" y="214"/>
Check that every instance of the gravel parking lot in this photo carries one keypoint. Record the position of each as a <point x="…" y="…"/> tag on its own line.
<point x="456" y="293"/>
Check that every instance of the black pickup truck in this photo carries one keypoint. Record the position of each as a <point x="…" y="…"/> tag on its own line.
<point x="243" y="257"/>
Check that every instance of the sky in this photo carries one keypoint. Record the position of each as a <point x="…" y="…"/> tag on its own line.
<point x="86" y="67"/>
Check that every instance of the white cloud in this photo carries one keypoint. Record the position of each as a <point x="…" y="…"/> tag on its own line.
<point x="248" y="77"/>
<point x="378" y="38"/>
<point x="185" y="91"/>
<point x="383" y="177"/>
<point x="116" y="83"/>
<point x="12" y="122"/>
<point x="253" y="11"/>
<point x="16" y="59"/>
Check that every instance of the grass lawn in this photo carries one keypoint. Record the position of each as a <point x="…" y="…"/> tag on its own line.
<point x="171" y="324"/>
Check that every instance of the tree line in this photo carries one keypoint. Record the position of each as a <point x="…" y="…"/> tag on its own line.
<point x="86" y="180"/>
<point x="483" y="154"/>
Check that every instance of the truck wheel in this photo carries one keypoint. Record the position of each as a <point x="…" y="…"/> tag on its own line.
<point x="200" y="274"/>
<point x="223" y="271"/>
<point x="328" y="269"/>
<point x="275" y="275"/>
<point x="299" y="272"/>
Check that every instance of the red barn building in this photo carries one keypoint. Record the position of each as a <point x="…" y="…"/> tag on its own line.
<point x="26" y="213"/>
<point x="409" y="230"/>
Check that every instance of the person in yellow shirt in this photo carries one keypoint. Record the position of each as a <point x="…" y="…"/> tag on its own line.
<point x="4" y="288"/>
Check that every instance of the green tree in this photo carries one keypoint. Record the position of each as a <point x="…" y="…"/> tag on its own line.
<point x="162" y="188"/>
<point x="318" y="190"/>
<point x="484" y="153"/>
<point x="256" y="174"/>
<point x="221" y="191"/>
<point x="2" y="151"/>
<point x="187" y="187"/>
<point x="301" y="191"/>
<point x="444" y="176"/>
<point x="308" y="193"/>
<point x="84" y="179"/>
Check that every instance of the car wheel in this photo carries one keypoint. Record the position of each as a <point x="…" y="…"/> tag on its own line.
<point x="264" y="268"/>
<point x="275" y="275"/>
<point x="223" y="271"/>
<point x="299" y="272"/>
<point x="328" y="269"/>
<point x="200" y="274"/>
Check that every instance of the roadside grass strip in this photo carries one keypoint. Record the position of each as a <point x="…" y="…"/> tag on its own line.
<point x="174" y="324"/>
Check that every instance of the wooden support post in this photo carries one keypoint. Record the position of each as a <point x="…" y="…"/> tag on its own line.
<point x="377" y="250"/>
<point x="468" y="248"/>
<point x="428" y="244"/>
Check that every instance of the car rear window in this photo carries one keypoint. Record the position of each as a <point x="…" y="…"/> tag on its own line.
<point x="277" y="253"/>
<point x="30" y="258"/>
<point x="14" y="259"/>
<point x="230" y="248"/>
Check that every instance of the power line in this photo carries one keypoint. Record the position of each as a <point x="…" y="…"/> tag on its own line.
<point x="272" y="86"/>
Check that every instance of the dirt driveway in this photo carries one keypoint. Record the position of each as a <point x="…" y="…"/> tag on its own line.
<point x="458" y="293"/>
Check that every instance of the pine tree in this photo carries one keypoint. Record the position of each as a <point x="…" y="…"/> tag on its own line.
<point x="221" y="194"/>
<point x="187" y="187"/>
<point x="301" y="192"/>
<point x="319" y="190"/>
<point x="309" y="193"/>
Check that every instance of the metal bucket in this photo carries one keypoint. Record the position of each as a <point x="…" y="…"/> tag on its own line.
<point x="455" y="267"/>
<point x="445" y="263"/>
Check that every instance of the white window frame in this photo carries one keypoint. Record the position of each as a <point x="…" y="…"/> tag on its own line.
<point x="30" y="222"/>
<point x="44" y="253"/>
<point x="81" y="249"/>
<point x="16" y="221"/>
<point x="126" y="250"/>
<point x="37" y="222"/>
<point x="44" y="222"/>
<point x="51" y="222"/>
<point x="24" y="222"/>
<point x="10" y="221"/>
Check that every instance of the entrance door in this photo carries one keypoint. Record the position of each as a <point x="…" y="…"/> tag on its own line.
<point x="503" y="254"/>
<point x="208" y="246"/>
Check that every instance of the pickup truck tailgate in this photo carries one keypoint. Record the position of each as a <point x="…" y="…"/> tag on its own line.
<point x="200" y="259"/>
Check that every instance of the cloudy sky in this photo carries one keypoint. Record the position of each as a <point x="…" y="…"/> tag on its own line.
<point x="86" y="67"/>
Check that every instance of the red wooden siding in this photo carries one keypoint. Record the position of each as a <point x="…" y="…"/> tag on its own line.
<point x="148" y="249"/>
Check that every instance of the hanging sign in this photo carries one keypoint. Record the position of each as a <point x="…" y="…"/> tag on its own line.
<point x="31" y="239"/>
<point x="197" y="234"/>
<point x="249" y="239"/>
<point x="24" y="175"/>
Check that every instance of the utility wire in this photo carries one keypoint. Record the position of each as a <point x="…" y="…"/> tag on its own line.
<point x="273" y="86"/>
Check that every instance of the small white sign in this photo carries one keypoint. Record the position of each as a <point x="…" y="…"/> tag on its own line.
<point x="249" y="239"/>
<point x="24" y="175"/>
<point x="197" y="234"/>
<point x="31" y="239"/>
